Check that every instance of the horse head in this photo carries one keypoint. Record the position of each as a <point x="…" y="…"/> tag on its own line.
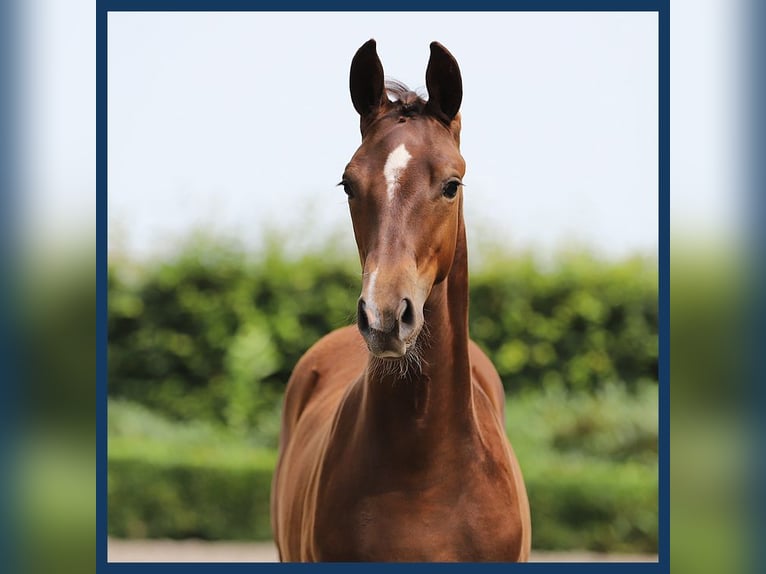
<point x="404" y="187"/>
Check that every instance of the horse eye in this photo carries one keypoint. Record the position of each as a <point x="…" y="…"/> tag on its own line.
<point x="347" y="188"/>
<point x="450" y="188"/>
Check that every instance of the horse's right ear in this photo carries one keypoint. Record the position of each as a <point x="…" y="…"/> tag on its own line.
<point x="366" y="81"/>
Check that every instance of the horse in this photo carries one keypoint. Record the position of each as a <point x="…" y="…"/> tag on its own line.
<point x="392" y="443"/>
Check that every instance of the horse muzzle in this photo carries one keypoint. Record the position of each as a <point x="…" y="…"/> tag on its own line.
<point x="388" y="332"/>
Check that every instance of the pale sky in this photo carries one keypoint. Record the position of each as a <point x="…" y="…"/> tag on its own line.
<point x="513" y="178"/>
<point x="234" y="121"/>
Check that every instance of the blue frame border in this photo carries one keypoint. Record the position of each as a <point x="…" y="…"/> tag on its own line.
<point x="10" y="346"/>
<point x="102" y="262"/>
<point x="390" y="6"/>
<point x="103" y="7"/>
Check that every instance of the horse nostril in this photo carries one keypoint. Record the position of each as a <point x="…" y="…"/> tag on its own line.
<point x="407" y="314"/>
<point x="361" y="317"/>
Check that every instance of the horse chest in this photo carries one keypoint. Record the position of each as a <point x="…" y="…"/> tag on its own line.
<point x="449" y="521"/>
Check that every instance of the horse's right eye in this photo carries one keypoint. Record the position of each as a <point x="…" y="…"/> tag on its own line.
<point x="347" y="188"/>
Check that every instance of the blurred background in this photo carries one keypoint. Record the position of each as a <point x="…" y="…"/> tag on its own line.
<point x="213" y="294"/>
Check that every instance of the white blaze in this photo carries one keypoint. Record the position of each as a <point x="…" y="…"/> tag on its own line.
<point x="371" y="283"/>
<point x="395" y="164"/>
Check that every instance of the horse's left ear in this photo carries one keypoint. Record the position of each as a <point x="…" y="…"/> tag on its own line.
<point x="444" y="84"/>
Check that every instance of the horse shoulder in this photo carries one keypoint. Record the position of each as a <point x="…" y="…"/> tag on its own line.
<point x="491" y="398"/>
<point x="316" y="372"/>
<point x="313" y="393"/>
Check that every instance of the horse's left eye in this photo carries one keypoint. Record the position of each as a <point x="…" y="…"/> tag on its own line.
<point x="450" y="188"/>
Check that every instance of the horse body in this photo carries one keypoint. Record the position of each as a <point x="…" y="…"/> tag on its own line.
<point x="393" y="445"/>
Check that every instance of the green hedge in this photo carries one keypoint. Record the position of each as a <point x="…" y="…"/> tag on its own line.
<point x="213" y="334"/>
<point x="593" y="506"/>
<point x="579" y="322"/>
<point x="191" y="493"/>
<point x="590" y="464"/>
<point x="184" y="479"/>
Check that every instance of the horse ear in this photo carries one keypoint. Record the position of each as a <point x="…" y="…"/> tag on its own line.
<point x="366" y="80"/>
<point x="444" y="84"/>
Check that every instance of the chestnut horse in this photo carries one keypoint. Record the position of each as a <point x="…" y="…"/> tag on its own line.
<point x="392" y="445"/>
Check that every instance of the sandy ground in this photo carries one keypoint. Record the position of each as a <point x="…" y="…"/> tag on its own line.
<point x="201" y="551"/>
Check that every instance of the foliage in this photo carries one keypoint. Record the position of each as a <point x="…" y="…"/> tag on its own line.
<point x="590" y="466"/>
<point x="213" y="334"/>
<point x="180" y="480"/>
<point x="580" y="323"/>
<point x="611" y="424"/>
<point x="593" y="506"/>
<point x="186" y="497"/>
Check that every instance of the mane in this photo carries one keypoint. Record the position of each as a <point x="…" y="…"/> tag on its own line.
<point x="408" y="102"/>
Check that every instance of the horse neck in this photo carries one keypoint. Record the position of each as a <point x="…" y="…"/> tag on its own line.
<point x="436" y="401"/>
